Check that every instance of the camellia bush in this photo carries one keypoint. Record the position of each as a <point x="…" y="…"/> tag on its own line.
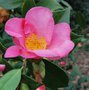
<point x="34" y="36"/>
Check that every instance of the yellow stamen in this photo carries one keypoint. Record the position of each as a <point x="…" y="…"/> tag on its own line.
<point x="34" y="42"/>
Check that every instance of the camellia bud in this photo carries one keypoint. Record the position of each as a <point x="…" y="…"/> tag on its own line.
<point x="4" y="15"/>
<point x="2" y="67"/>
<point x="79" y="44"/>
<point x="62" y="63"/>
<point x="41" y="88"/>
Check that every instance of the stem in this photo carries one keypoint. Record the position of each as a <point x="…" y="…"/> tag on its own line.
<point x="24" y="65"/>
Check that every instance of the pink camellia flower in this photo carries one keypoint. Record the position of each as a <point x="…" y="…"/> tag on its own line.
<point x="2" y="67"/>
<point x="36" y="36"/>
<point x="41" y="88"/>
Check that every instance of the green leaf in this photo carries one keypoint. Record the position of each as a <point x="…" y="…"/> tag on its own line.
<point x="6" y="40"/>
<point x="24" y="86"/>
<point x="58" y="15"/>
<point x="80" y="20"/>
<point x="55" y="77"/>
<point x="2" y="48"/>
<point x="76" y="41"/>
<point x="76" y="38"/>
<point x="10" y="80"/>
<point x="66" y="16"/>
<point x="8" y="65"/>
<point x="31" y="82"/>
<point x="72" y="57"/>
<point x="27" y="5"/>
<point x="66" y="4"/>
<point x="52" y="4"/>
<point x="42" y="69"/>
<point x="10" y="4"/>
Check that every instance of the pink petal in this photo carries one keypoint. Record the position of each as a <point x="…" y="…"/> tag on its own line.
<point x="19" y="41"/>
<point x="27" y="29"/>
<point x="14" y="27"/>
<point x="27" y="54"/>
<point x="59" y="51"/>
<point x="2" y="67"/>
<point x="16" y="41"/>
<point x="41" y="22"/>
<point x="41" y="88"/>
<point x="12" y="51"/>
<point x="61" y="33"/>
<point x="61" y="38"/>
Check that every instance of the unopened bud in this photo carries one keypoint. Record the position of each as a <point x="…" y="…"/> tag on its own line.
<point x="62" y="63"/>
<point x="2" y="67"/>
<point x="41" y="88"/>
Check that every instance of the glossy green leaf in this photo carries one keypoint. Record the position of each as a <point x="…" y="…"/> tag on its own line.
<point x="10" y="4"/>
<point x="8" y="65"/>
<point x="27" y="5"/>
<point x="10" y="80"/>
<point x="66" y="16"/>
<point x="58" y="15"/>
<point x="6" y="40"/>
<point x="52" y="4"/>
<point x="31" y="82"/>
<point x="55" y="77"/>
<point x="24" y="86"/>
<point x="66" y="4"/>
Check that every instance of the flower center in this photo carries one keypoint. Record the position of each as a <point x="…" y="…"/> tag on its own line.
<point x="33" y="42"/>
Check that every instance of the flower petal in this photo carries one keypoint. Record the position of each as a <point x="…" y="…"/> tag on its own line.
<point x="19" y="41"/>
<point x="41" y="22"/>
<point x="61" y="33"/>
<point x="12" y="51"/>
<point x="59" y="51"/>
<point x="16" y="41"/>
<point x="27" y="54"/>
<point x="63" y="50"/>
<point x="14" y="27"/>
